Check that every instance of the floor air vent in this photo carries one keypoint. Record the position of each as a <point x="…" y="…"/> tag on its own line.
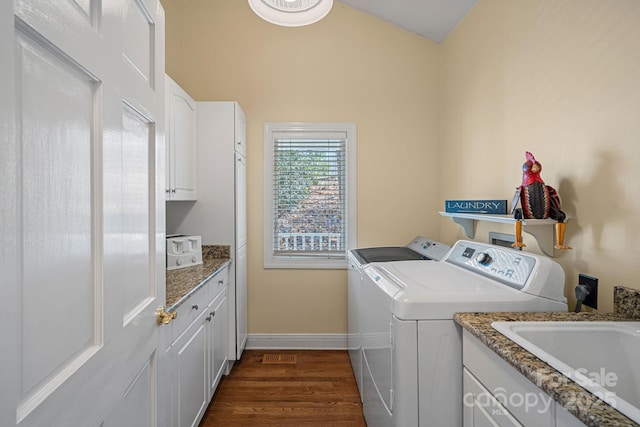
<point x="280" y="358"/>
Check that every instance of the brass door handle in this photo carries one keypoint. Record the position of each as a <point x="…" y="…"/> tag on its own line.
<point x="164" y="318"/>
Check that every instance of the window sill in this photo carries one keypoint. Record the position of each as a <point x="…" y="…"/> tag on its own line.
<point x="302" y="263"/>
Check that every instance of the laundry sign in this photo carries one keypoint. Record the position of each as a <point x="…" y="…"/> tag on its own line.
<point x="495" y="207"/>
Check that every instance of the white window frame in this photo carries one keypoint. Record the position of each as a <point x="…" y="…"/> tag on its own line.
<point x="272" y="260"/>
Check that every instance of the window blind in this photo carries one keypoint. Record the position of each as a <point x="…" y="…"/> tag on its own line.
<point x="309" y="194"/>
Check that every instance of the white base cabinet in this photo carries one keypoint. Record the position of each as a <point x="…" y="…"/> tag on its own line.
<point x="217" y="317"/>
<point x="190" y="362"/>
<point x="496" y="394"/>
<point x="481" y="408"/>
<point x="198" y="354"/>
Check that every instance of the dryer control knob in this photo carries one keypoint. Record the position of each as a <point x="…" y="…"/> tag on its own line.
<point x="484" y="258"/>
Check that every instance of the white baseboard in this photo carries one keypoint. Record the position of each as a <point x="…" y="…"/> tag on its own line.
<point x="297" y="342"/>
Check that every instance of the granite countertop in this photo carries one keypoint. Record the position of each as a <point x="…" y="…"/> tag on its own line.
<point x="183" y="282"/>
<point x="580" y="402"/>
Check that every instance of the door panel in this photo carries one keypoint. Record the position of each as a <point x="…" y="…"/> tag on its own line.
<point x="81" y="121"/>
<point x="55" y="241"/>
<point x="138" y="49"/>
<point x="85" y="6"/>
<point x="137" y="133"/>
<point x="136" y="408"/>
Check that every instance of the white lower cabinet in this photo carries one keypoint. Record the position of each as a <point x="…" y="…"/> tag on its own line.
<point x="481" y="408"/>
<point x="496" y="394"/>
<point x="218" y="337"/>
<point x="198" y="354"/>
<point x="191" y="387"/>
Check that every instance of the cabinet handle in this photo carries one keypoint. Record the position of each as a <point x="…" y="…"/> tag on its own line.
<point x="220" y="282"/>
<point x="208" y="318"/>
<point x="195" y="306"/>
<point x="212" y="314"/>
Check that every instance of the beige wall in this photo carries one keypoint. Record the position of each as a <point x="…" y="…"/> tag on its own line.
<point x="347" y="67"/>
<point x="558" y="78"/>
<point x="562" y="80"/>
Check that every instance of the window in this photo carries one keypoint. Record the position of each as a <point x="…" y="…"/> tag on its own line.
<point x="310" y="199"/>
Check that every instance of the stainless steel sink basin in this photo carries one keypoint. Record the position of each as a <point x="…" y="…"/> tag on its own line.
<point x="602" y="357"/>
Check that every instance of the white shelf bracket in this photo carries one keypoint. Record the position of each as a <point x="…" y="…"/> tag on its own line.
<point x="468" y="226"/>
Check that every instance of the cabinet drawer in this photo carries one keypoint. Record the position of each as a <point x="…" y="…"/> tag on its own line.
<point x="190" y="310"/>
<point x="524" y="400"/>
<point x="481" y="407"/>
<point x="218" y="282"/>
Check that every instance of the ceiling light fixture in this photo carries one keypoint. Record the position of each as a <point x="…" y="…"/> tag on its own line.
<point x="291" y="13"/>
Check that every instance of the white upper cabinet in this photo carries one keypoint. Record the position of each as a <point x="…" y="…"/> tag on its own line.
<point x="181" y="154"/>
<point x="240" y="131"/>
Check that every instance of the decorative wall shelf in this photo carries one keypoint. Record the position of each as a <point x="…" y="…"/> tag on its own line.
<point x="542" y="230"/>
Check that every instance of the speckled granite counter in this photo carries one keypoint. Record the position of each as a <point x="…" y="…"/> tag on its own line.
<point x="587" y="408"/>
<point x="184" y="281"/>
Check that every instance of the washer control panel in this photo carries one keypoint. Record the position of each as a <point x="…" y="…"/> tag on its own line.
<point x="429" y="248"/>
<point x="502" y="264"/>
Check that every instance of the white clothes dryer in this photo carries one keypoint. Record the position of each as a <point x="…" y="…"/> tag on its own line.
<point x="418" y="249"/>
<point x="412" y="348"/>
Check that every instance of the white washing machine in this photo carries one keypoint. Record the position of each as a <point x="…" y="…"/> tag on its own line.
<point x="418" y="249"/>
<point x="412" y="348"/>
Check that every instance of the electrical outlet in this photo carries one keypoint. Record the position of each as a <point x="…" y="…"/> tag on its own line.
<point x="592" y="284"/>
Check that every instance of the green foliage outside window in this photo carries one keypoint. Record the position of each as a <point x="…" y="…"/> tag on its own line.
<point x="296" y="171"/>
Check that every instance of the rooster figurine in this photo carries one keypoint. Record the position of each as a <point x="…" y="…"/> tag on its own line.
<point x="538" y="201"/>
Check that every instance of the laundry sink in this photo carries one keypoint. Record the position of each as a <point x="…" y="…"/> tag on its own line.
<point x="602" y="357"/>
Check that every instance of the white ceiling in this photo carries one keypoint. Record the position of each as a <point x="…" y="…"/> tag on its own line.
<point x="433" y="19"/>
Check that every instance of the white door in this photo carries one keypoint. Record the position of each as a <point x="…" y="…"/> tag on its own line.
<point x="82" y="218"/>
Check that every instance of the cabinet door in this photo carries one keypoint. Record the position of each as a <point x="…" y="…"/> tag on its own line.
<point x="241" y="300"/>
<point x="218" y="339"/>
<point x="241" y="200"/>
<point x="507" y="385"/>
<point x="181" y="136"/>
<point x="240" y="131"/>
<point x="191" y="363"/>
<point x="480" y="407"/>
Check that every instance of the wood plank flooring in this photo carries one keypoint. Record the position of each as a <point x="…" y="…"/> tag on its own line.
<point x="318" y="390"/>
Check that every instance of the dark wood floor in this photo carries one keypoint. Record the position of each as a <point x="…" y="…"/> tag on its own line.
<point x="318" y="390"/>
